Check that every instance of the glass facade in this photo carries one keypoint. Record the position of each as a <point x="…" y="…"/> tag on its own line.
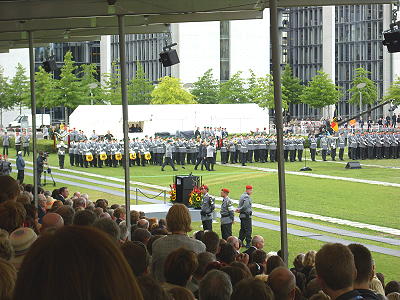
<point x="358" y="35"/>
<point x="145" y="49"/>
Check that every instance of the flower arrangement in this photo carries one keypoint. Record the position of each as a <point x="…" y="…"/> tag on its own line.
<point x="172" y="192"/>
<point x="195" y="197"/>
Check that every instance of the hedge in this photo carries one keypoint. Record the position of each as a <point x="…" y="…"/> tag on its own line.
<point x="43" y="145"/>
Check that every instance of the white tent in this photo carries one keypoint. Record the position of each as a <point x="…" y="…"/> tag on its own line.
<point x="237" y="118"/>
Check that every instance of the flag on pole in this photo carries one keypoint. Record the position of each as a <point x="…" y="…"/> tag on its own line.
<point x="335" y="126"/>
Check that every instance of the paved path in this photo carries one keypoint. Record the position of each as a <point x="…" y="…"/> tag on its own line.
<point x="296" y="232"/>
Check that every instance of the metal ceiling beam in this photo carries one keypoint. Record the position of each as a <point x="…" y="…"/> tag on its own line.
<point x="111" y="21"/>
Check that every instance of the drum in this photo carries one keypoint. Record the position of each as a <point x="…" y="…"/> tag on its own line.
<point x="103" y="156"/>
<point x="118" y="156"/>
<point x="89" y="156"/>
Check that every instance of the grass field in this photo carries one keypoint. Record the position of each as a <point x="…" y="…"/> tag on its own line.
<point x="367" y="203"/>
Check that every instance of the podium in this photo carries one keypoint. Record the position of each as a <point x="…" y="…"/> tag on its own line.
<point x="184" y="185"/>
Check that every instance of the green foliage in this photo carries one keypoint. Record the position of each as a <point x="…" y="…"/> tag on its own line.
<point x="394" y="92"/>
<point x="321" y="91"/>
<point x="45" y="89"/>
<point x="69" y="90"/>
<point x="233" y="90"/>
<point x="170" y="91"/>
<point x="261" y="91"/>
<point x="112" y="85"/>
<point x="206" y="89"/>
<point x="291" y="86"/>
<point x="369" y="92"/>
<point x="5" y="102"/>
<point x="19" y="92"/>
<point x="140" y="87"/>
<point x="89" y="94"/>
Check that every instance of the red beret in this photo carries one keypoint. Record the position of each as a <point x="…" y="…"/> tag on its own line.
<point x="225" y="190"/>
<point x="204" y="187"/>
<point x="249" y="187"/>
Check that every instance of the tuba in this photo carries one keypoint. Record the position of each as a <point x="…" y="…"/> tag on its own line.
<point x="147" y="156"/>
<point x="118" y="156"/>
<point x="89" y="156"/>
<point x="103" y="156"/>
<point x="132" y="155"/>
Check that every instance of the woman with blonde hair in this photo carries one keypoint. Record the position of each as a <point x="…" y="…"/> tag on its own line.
<point x="8" y="276"/>
<point x="76" y="262"/>
<point x="309" y="263"/>
<point x="178" y="224"/>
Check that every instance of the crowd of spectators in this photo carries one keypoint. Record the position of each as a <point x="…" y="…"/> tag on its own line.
<point x="73" y="248"/>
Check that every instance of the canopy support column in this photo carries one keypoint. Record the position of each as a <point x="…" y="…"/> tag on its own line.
<point x="33" y="112"/>
<point x="122" y="59"/>
<point x="276" y="72"/>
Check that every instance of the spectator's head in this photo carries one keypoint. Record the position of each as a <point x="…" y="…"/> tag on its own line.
<point x="227" y="254"/>
<point x="298" y="261"/>
<point x="51" y="220"/>
<point x="199" y="235"/>
<point x="203" y="260"/>
<point x="6" y="249"/>
<point x="123" y="231"/>
<point x="257" y="241"/>
<point x="178" y="219"/>
<point x="8" y="277"/>
<point x="392" y="287"/>
<point x="143" y="223"/>
<point x="309" y="259"/>
<point x="119" y="213"/>
<point x="67" y="213"/>
<point x="312" y="288"/>
<point x="260" y="257"/>
<point x="84" y="251"/>
<point x="283" y="283"/>
<point x="24" y="198"/>
<point x="256" y="269"/>
<point x="151" y="241"/>
<point x="251" y="288"/>
<point x="215" y="285"/>
<point x="335" y="268"/>
<point x="180" y="266"/>
<point x="151" y="289"/>
<point x="102" y="203"/>
<point x="56" y="204"/>
<point x="12" y="215"/>
<point x="79" y="203"/>
<point x="234" y="241"/>
<point x="137" y="256"/>
<point x="85" y="196"/>
<point x="273" y="262"/>
<point x="235" y="274"/>
<point x="64" y="192"/>
<point x="84" y="218"/>
<point x="243" y="266"/>
<point x="9" y="189"/>
<point x="141" y="235"/>
<point x="108" y="226"/>
<point x="364" y="265"/>
<point x="181" y="293"/>
<point x="134" y="216"/>
<point x="320" y="296"/>
<point x="381" y="278"/>
<point x="69" y="202"/>
<point x="211" y="240"/>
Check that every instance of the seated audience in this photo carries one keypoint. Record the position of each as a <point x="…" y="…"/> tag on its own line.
<point x="211" y="240"/>
<point x="84" y="218"/>
<point x="143" y="223"/>
<point x="227" y="254"/>
<point x="235" y="274"/>
<point x="179" y="267"/>
<point x="282" y="283"/>
<point x="67" y="213"/>
<point x="12" y="215"/>
<point x="273" y="262"/>
<point x="181" y="293"/>
<point x="21" y="240"/>
<point x="141" y="235"/>
<point x="85" y="258"/>
<point x="215" y="285"/>
<point x="179" y="224"/>
<point x="152" y="290"/>
<point x="257" y="242"/>
<point x="392" y="287"/>
<point x="235" y="242"/>
<point x="137" y="257"/>
<point x="51" y="220"/>
<point x="119" y="214"/>
<point x="8" y="277"/>
<point x="9" y="189"/>
<point x="108" y="226"/>
<point x="251" y="288"/>
<point x="6" y="249"/>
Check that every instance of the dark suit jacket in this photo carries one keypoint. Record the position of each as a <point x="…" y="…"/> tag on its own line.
<point x="250" y="250"/>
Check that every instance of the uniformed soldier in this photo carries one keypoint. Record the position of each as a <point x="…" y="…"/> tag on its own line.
<point x="201" y="156"/>
<point x="292" y="149"/>
<point x="363" y="146"/>
<point x="286" y="148"/>
<point x="341" y="145"/>
<point x="6" y="143"/>
<point x="168" y="157"/>
<point x="243" y="151"/>
<point x="250" y="150"/>
<point x="324" y="147"/>
<point x="26" y="139"/>
<point x="18" y="142"/>
<point x="61" y="154"/>
<point x="210" y="157"/>
<point x="386" y="145"/>
<point x="232" y="151"/>
<point x="227" y="215"/>
<point x="207" y="208"/>
<point x="332" y="146"/>
<point x="224" y="152"/>
<point x="313" y="146"/>
<point x="300" y="148"/>
<point x="262" y="149"/>
<point x="379" y="145"/>
<point x="245" y="212"/>
<point x="272" y="148"/>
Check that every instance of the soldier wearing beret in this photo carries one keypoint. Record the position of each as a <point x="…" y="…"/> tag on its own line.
<point x="227" y="215"/>
<point x="207" y="208"/>
<point x="245" y="212"/>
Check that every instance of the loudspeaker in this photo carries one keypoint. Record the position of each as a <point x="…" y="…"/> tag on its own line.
<point x="184" y="185"/>
<point x="169" y="58"/>
<point x="353" y="165"/>
<point x="49" y="65"/>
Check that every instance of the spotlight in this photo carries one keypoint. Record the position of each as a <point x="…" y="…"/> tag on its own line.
<point x="49" y="65"/>
<point x="168" y="56"/>
<point x="392" y="38"/>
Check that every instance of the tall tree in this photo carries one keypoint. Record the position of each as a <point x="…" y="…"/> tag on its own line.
<point x="19" y="88"/>
<point x="170" y="91"/>
<point x="140" y="87"/>
<point x="206" y="88"/>
<point x="261" y="91"/>
<point x="45" y="88"/>
<point x="394" y="92"/>
<point x="369" y="93"/>
<point x="112" y="85"/>
<point x="69" y="89"/>
<point x="233" y="90"/>
<point x="5" y="102"/>
<point x="90" y="86"/>
<point x="292" y="86"/>
<point x="321" y="91"/>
